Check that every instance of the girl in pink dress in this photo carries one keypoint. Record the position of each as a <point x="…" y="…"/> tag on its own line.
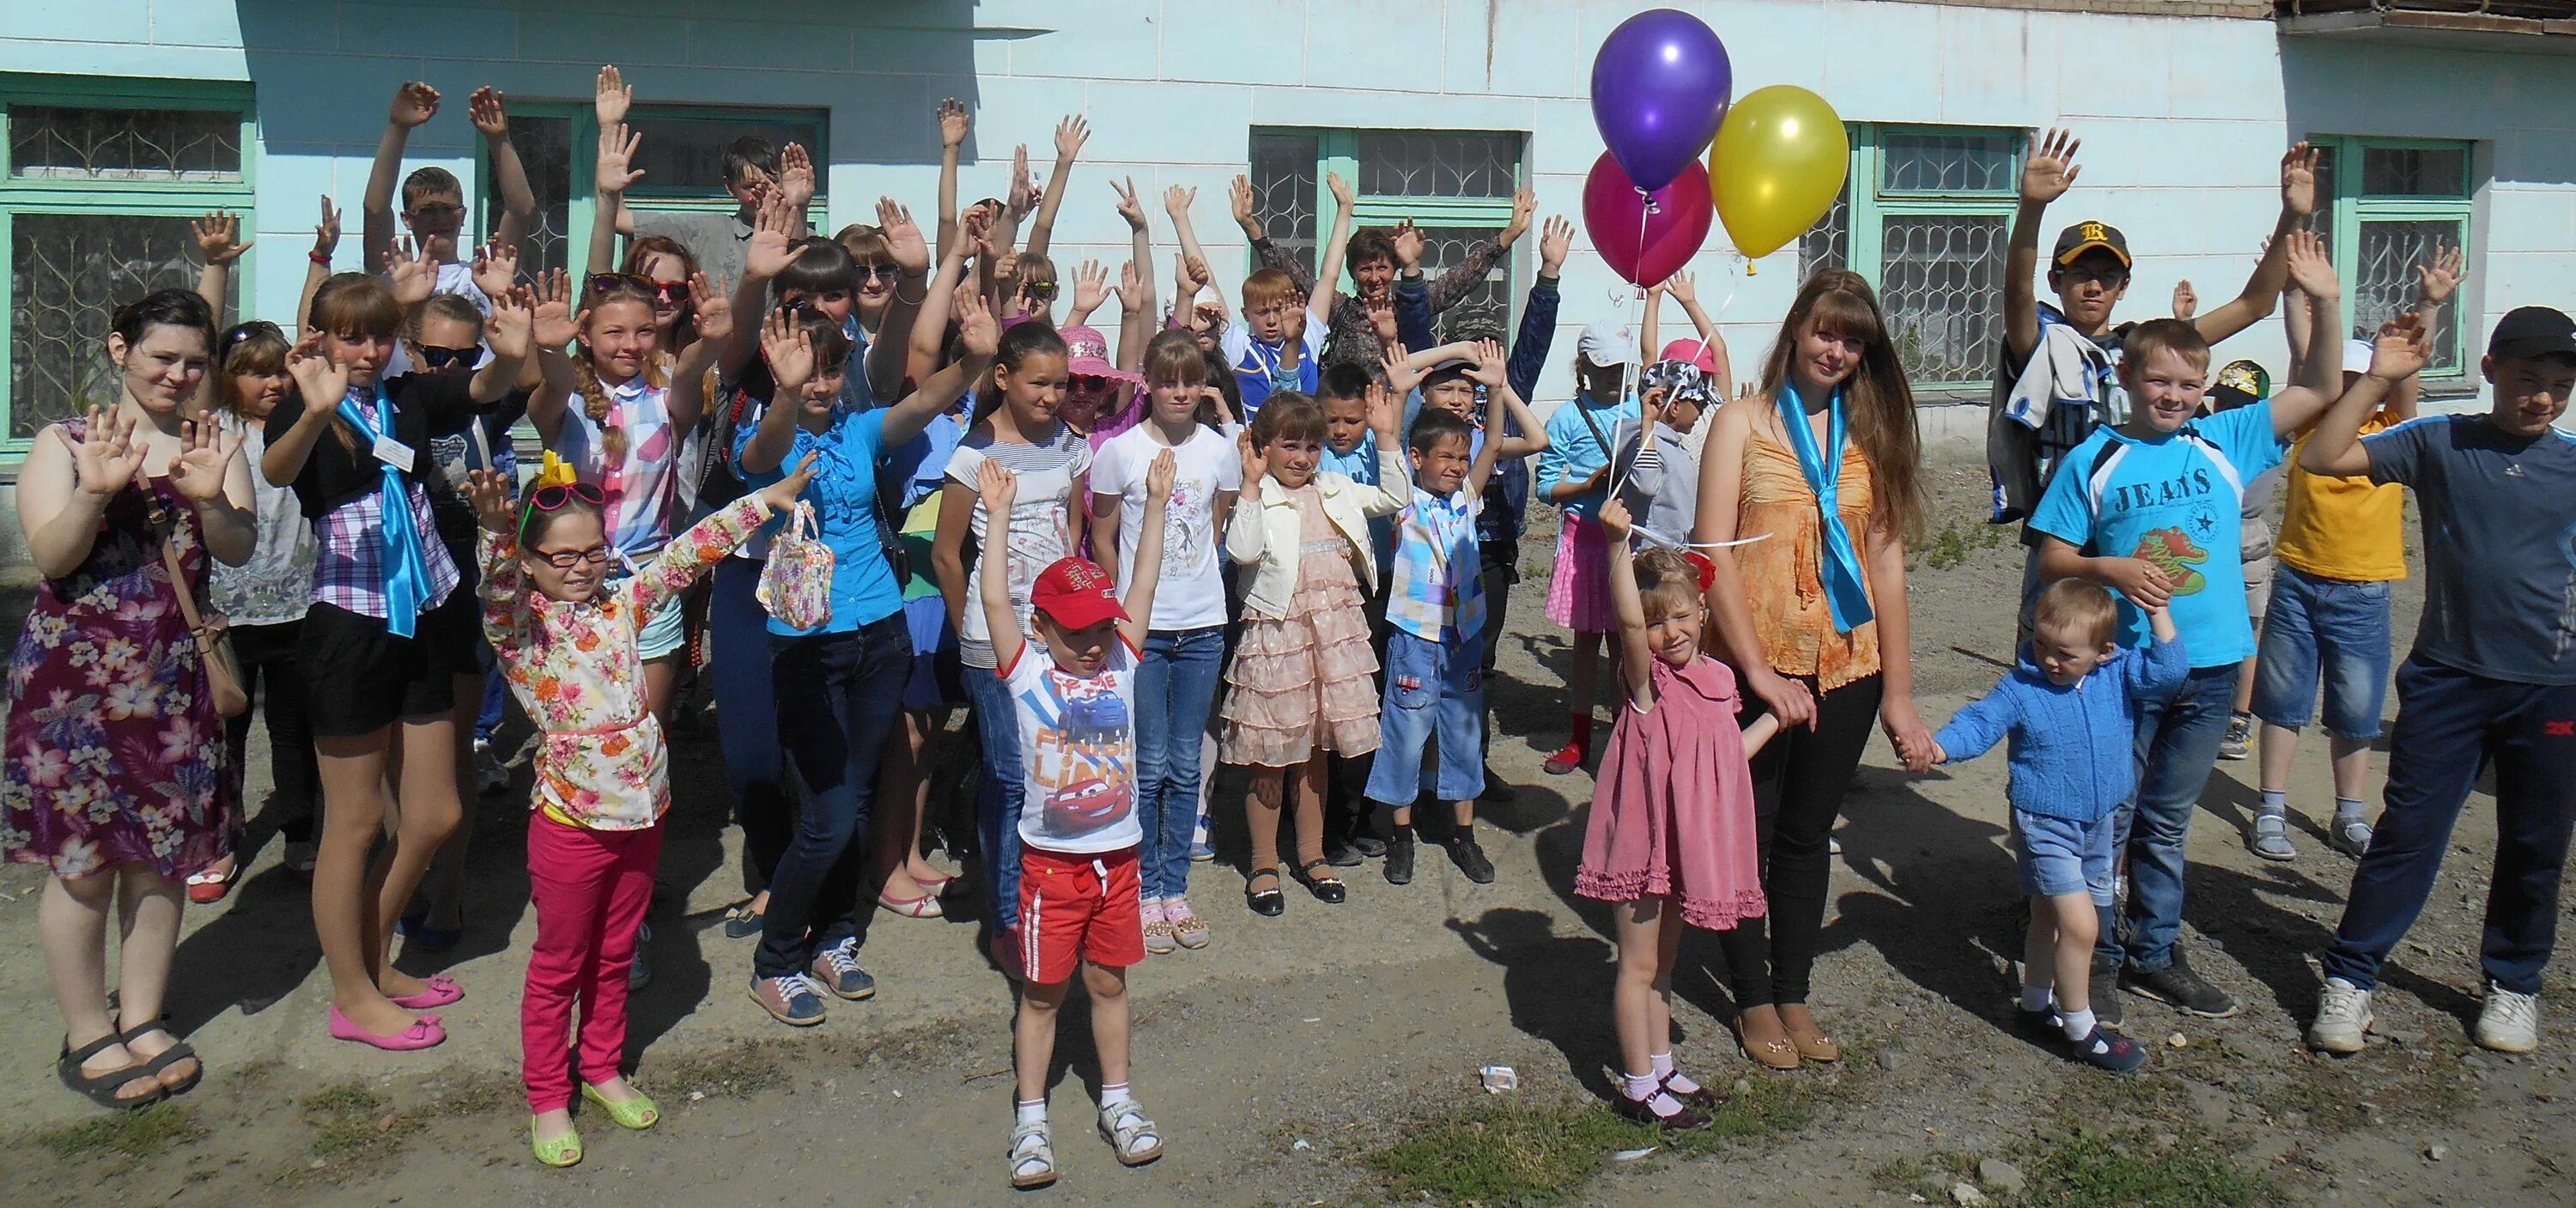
<point x="1671" y="840"/>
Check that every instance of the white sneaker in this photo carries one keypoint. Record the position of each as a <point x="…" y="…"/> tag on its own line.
<point x="2343" y="1015"/>
<point x="2510" y="1022"/>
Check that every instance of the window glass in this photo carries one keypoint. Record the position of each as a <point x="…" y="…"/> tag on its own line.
<point x="63" y="143"/>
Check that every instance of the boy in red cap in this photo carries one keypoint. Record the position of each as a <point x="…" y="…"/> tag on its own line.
<point x="1080" y="898"/>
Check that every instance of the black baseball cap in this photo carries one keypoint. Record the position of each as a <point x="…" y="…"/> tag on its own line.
<point x="2085" y="236"/>
<point x="2528" y="333"/>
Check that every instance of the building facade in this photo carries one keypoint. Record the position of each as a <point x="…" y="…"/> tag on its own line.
<point x="125" y="117"/>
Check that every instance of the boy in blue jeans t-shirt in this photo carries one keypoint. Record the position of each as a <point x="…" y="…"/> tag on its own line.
<point x="2491" y="683"/>
<point x="2151" y="509"/>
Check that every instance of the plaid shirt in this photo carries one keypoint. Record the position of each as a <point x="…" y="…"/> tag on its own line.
<point x="1434" y="588"/>
<point x="348" y="571"/>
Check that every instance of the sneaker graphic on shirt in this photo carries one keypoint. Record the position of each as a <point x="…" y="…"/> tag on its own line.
<point x="2175" y="554"/>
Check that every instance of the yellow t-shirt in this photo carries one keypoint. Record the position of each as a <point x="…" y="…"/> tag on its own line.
<point x="2346" y="528"/>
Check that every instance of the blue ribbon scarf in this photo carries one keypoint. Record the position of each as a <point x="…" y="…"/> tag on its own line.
<point x="406" y="564"/>
<point x="1846" y="592"/>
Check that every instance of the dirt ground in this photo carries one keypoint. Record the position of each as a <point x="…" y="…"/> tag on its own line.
<point x="1331" y="1055"/>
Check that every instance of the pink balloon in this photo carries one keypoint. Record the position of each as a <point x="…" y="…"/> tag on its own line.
<point x="1645" y="243"/>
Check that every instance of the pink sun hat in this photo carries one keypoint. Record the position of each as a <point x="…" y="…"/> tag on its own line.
<point x="1087" y="355"/>
<point x="1694" y="351"/>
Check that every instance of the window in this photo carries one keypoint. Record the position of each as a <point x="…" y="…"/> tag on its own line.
<point x="1927" y="225"/>
<point x="1455" y="185"/>
<point x="2409" y="203"/>
<point x="100" y="181"/>
<point x="682" y="157"/>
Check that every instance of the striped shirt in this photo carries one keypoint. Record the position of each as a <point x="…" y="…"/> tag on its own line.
<point x="1434" y="586"/>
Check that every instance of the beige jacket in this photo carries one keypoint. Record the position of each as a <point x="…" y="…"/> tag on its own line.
<point x="1268" y="534"/>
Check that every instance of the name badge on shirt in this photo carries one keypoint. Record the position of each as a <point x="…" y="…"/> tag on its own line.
<point x="394" y="453"/>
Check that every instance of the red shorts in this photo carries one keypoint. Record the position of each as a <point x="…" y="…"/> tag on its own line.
<point x="1078" y="906"/>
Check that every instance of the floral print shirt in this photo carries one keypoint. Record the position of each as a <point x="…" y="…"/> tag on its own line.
<point x="577" y="670"/>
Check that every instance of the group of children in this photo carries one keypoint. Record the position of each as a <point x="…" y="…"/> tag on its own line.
<point x="878" y="449"/>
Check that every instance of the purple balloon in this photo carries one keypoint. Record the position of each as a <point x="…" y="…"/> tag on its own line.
<point x="1645" y="245"/>
<point x="1660" y="87"/>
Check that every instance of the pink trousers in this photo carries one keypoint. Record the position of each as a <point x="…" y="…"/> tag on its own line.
<point x="590" y="889"/>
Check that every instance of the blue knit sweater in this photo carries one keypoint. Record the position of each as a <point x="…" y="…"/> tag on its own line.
<point x="2073" y="748"/>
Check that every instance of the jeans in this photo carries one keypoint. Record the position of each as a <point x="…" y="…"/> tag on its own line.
<point x="2332" y="629"/>
<point x="2453" y="725"/>
<point x="1175" y="690"/>
<point x="2177" y="746"/>
<point x="1798" y="784"/>
<point x="838" y="697"/>
<point x="997" y="808"/>
<point x="266" y="653"/>
<point x="1435" y="701"/>
<point x="495" y="691"/>
<point x="747" y="720"/>
<point x="1501" y="560"/>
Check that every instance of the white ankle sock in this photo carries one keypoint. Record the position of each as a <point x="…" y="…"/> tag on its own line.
<point x="1028" y="1111"/>
<point x="1641" y="1087"/>
<point x="1671" y="1074"/>
<point x="2078" y="1024"/>
<point x="2035" y="998"/>
<point x="1114" y="1093"/>
<point x="2346" y="807"/>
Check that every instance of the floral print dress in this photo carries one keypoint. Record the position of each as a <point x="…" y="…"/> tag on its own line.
<point x="577" y="669"/>
<point x="113" y="744"/>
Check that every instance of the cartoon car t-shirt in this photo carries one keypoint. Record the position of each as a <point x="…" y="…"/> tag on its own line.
<point x="1077" y="752"/>
<point x="2176" y="501"/>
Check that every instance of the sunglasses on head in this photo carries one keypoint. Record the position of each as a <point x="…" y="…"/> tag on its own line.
<point x="554" y="497"/>
<point x="243" y="331"/>
<point x="1043" y="291"/>
<point x="672" y="292"/>
<point x="435" y="358"/>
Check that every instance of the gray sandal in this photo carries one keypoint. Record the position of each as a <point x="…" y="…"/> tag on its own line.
<point x="1032" y="1156"/>
<point x="2271" y="838"/>
<point x="1130" y="1133"/>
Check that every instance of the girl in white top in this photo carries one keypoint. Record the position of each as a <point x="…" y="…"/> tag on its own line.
<point x="1184" y="651"/>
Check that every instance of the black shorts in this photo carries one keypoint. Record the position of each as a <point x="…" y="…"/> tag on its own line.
<point x="359" y="678"/>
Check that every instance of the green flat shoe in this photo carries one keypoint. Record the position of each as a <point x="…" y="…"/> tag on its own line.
<point x="637" y="1113"/>
<point x="560" y="1152"/>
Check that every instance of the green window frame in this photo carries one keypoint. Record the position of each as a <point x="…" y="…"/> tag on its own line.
<point x="25" y="197"/>
<point x="1924" y="216"/>
<point x="2383" y="204"/>
<point x="1296" y="209"/>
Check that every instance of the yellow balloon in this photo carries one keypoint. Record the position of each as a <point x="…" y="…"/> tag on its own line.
<point x="1776" y="166"/>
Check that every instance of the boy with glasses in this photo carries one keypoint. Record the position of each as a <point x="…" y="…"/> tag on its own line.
<point x="433" y="201"/>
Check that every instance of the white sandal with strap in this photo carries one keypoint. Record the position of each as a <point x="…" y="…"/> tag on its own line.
<point x="1131" y="1133"/>
<point x="1032" y="1156"/>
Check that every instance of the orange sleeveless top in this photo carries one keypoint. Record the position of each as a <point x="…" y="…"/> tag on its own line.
<point x="1783" y="577"/>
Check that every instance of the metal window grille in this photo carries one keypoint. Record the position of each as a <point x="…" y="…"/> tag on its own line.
<point x="1412" y="163"/>
<point x="1924" y="216"/>
<point x="1285" y="185"/>
<point x="2385" y="284"/>
<point x="545" y="150"/>
<point x="67" y="273"/>
<point x="65" y="143"/>
<point x="1456" y="185"/>
<point x="1486" y="309"/>
<point x="1940" y="281"/>
<point x="1949" y="161"/>
<point x="2386" y="207"/>
<point x="1828" y="243"/>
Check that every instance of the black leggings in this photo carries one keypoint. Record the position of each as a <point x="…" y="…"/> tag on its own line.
<point x="266" y="656"/>
<point x="1798" y="784"/>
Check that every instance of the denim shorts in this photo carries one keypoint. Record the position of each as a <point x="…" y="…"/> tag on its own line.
<point x="1434" y="693"/>
<point x="2333" y="630"/>
<point x="2060" y="856"/>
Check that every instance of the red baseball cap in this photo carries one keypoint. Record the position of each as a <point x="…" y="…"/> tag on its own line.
<point x="1077" y="594"/>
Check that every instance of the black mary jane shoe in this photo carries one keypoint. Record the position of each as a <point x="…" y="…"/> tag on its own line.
<point x="1268" y="903"/>
<point x="1326" y="887"/>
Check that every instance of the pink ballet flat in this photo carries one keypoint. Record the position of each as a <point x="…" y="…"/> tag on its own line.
<point x="423" y="1033"/>
<point x="442" y="991"/>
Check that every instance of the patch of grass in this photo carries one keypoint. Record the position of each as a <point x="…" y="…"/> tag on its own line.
<point x="137" y="1134"/>
<point x="1958" y="539"/>
<point x="475" y="1095"/>
<point x="2129" y="1169"/>
<point x="1537" y="1152"/>
<point x="350" y="1121"/>
<point x="345" y="1099"/>
<point x="740" y="1069"/>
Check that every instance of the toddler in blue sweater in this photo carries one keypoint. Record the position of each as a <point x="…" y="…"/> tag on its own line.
<point x="2071" y="712"/>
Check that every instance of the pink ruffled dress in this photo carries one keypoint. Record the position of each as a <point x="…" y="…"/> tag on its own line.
<point x="1302" y="683"/>
<point x="1673" y="816"/>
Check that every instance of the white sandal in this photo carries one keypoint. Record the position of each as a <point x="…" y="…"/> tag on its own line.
<point x="1032" y="1156"/>
<point x="1131" y="1133"/>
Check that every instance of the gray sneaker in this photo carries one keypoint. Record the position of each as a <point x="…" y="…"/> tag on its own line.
<point x="2239" y="740"/>
<point x="2349" y="834"/>
<point x="2270" y="838"/>
<point x="2343" y="1018"/>
<point x="2509" y="1022"/>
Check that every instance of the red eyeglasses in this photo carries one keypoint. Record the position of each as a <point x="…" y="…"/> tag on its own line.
<point x="668" y="292"/>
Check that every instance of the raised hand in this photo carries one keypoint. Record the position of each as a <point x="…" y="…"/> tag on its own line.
<point x="2311" y="270"/>
<point x="1191" y="272"/>
<point x="781" y="495"/>
<point x="1070" y="134"/>
<point x="953" y="123"/>
<point x="1490" y="363"/>
<point x="1023" y="197"/>
<point x="616" y="172"/>
<point x="1524" y="210"/>
<point x="1131" y="289"/>
<point x="795" y="177"/>
<point x="206" y="452"/>
<point x="496" y="267"/>
<point x="904" y="243"/>
<point x="790" y="354"/>
<point x="2403" y="348"/>
<point x="1238" y="196"/>
<point x="108" y="458"/>
<point x="1128" y="208"/>
<point x="1090" y="287"/>
<point x="978" y="332"/>
<point x="1342" y="194"/>
<point x="1409" y="243"/>
<point x="2050" y="169"/>
<point x="1158" y="476"/>
<point x="610" y="97"/>
<point x="552" y="323"/>
<point x="326" y="233"/>
<point x="1177" y="201"/>
<point x="1615" y="524"/>
<point x="2299" y="180"/>
<point x="2435" y="280"/>
<point x="768" y="252"/>
<point x="714" y="309"/>
<point x="322" y="382"/>
<point x="489" y="492"/>
<point x="1554" y="241"/>
<point x="489" y="112"/>
<point x="1401" y="376"/>
<point x="972" y="230"/>
<point x="1684" y="288"/>
<point x="2185" y="302"/>
<point x="1385" y="412"/>
<point x="511" y="331"/>
<point x="1256" y="466"/>
<point x="410" y="272"/>
<point x="414" y="103"/>
<point x="219" y="236"/>
<point x="997" y="485"/>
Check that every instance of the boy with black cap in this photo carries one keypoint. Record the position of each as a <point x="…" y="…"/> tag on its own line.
<point x="2491" y="682"/>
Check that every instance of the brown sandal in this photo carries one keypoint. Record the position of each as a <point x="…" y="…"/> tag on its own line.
<point x="1777" y="1054"/>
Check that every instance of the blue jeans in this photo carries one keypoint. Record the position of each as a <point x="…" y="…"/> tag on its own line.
<point x="2177" y="746"/>
<point x="2330" y="629"/>
<point x="495" y="691"/>
<point x="838" y="697"/>
<point x="1435" y="693"/>
<point x="2453" y="725"/>
<point x="1175" y="690"/>
<point x="997" y="807"/>
<point x="747" y="719"/>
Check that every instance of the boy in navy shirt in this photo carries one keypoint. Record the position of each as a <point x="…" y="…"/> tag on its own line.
<point x="2151" y="509"/>
<point x="2491" y="682"/>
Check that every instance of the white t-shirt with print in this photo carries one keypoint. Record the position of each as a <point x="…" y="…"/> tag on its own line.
<point x="1077" y="752"/>
<point x="1041" y="520"/>
<point x="1189" y="594"/>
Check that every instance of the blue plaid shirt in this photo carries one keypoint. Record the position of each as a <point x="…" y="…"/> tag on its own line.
<point x="1435" y="586"/>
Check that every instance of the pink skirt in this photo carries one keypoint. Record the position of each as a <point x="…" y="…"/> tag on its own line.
<point x="1303" y="683"/>
<point x="1672" y="816"/>
<point x="1578" y="597"/>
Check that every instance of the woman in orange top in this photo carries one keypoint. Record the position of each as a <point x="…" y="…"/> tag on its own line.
<point x="1823" y="462"/>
